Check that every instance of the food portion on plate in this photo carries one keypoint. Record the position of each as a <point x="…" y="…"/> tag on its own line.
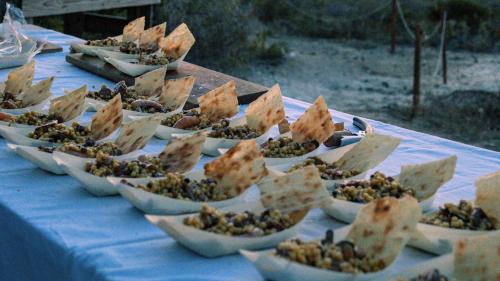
<point x="171" y="51"/>
<point x="306" y="133"/>
<point x="131" y="33"/>
<point x="473" y="259"/>
<point x="372" y="243"/>
<point x="260" y="116"/>
<point x="62" y="109"/>
<point x="482" y="215"/>
<point x="104" y="122"/>
<point x="217" y="104"/>
<point x="179" y="156"/>
<point x="18" y="95"/>
<point x="283" y="204"/>
<point x="437" y="231"/>
<point x="222" y="183"/>
<point x="337" y="165"/>
<point x="150" y="94"/>
<point x="420" y="181"/>
<point x="133" y="136"/>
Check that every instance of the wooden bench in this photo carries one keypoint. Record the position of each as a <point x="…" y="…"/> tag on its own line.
<point x="77" y="18"/>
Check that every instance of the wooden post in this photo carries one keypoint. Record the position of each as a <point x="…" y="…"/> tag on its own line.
<point x="393" y="27"/>
<point x="443" y="54"/>
<point x="416" y="72"/>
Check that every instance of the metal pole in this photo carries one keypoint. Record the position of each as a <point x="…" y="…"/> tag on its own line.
<point x="416" y="72"/>
<point x="393" y="26"/>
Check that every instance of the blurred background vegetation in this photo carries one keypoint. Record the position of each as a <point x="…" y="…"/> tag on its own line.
<point x="234" y="32"/>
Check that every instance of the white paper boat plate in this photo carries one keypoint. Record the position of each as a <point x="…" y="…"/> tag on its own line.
<point x="32" y="127"/>
<point x="443" y="263"/>
<point x="27" y="53"/>
<point x="128" y="115"/>
<point x="89" y="50"/>
<point x="210" y="244"/>
<point x="346" y="211"/>
<point x="19" y="136"/>
<point x="440" y="240"/>
<point x="214" y="146"/>
<point x="41" y="159"/>
<point x="276" y="268"/>
<point x="75" y="167"/>
<point x="167" y="133"/>
<point x="278" y="162"/>
<point x="114" y="53"/>
<point x="37" y="108"/>
<point x="134" y="69"/>
<point x="151" y="203"/>
<point x="329" y="156"/>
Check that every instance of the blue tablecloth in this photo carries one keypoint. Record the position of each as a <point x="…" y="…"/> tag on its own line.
<point x="52" y="229"/>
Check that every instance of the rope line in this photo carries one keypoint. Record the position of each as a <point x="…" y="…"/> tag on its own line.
<point x="330" y="21"/>
<point x="441" y="48"/>
<point x="407" y="27"/>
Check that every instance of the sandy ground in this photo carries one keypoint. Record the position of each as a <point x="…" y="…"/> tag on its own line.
<point x="364" y="79"/>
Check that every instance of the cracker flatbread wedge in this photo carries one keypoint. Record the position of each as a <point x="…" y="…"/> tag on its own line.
<point x="176" y="92"/>
<point x="301" y="189"/>
<point x="178" y="42"/>
<point x="150" y="38"/>
<point x="37" y="93"/>
<point x="425" y="179"/>
<point x="221" y="102"/>
<point x="383" y="227"/>
<point x="107" y="119"/>
<point x="136" y="134"/>
<point x="488" y="197"/>
<point x="151" y="83"/>
<point x="69" y="106"/>
<point x="315" y="124"/>
<point x="238" y="168"/>
<point x="20" y="79"/>
<point x="182" y="154"/>
<point x="266" y="111"/>
<point x="477" y="258"/>
<point x="132" y="31"/>
<point x="367" y="153"/>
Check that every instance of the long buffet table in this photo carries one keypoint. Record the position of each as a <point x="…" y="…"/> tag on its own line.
<point x="52" y="229"/>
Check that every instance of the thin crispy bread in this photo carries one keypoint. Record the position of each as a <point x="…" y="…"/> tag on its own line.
<point x="237" y="169"/>
<point x="136" y="134"/>
<point x="488" y="197"/>
<point x="301" y="189"/>
<point x="132" y="31"/>
<point x="477" y="258"/>
<point x="383" y="227"/>
<point x="178" y="42"/>
<point x="266" y="111"/>
<point x="367" y="153"/>
<point x="150" y="38"/>
<point x="182" y="154"/>
<point x="20" y="79"/>
<point x="425" y="179"/>
<point x="37" y="93"/>
<point x="176" y="92"/>
<point x="69" y="106"/>
<point x="315" y="124"/>
<point x="221" y="102"/>
<point x="151" y="83"/>
<point x="107" y="119"/>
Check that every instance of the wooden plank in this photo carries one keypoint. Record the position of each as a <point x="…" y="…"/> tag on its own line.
<point x="206" y="79"/>
<point x="37" y="8"/>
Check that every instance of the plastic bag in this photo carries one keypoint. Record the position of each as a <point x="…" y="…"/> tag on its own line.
<point x="15" y="47"/>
